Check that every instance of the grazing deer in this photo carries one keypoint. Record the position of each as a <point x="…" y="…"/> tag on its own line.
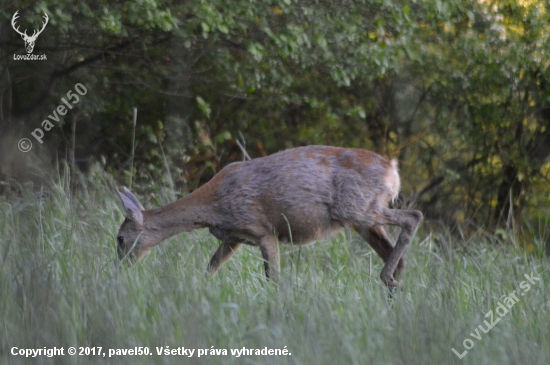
<point x="302" y="194"/>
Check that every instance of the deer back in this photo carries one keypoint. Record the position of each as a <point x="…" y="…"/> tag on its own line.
<point x="304" y="192"/>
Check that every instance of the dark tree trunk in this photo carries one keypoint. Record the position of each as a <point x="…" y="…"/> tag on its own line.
<point x="510" y="197"/>
<point x="377" y="118"/>
<point x="512" y="192"/>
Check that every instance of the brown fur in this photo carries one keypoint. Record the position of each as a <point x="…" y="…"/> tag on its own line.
<point x="304" y="193"/>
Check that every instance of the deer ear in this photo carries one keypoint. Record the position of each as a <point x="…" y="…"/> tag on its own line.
<point x="134" y="200"/>
<point x="132" y="211"/>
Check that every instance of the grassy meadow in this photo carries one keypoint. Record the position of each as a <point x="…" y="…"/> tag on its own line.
<point x="61" y="286"/>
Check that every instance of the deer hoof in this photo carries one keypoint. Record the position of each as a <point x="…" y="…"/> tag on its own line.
<point x="388" y="280"/>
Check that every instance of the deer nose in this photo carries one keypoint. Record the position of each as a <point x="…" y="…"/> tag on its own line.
<point x="123" y="255"/>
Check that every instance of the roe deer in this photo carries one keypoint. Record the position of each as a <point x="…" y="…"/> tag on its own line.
<point x="311" y="192"/>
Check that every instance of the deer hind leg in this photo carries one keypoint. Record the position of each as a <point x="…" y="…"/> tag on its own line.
<point x="222" y="254"/>
<point x="408" y="220"/>
<point x="377" y="239"/>
<point x="381" y="244"/>
<point x="270" y="253"/>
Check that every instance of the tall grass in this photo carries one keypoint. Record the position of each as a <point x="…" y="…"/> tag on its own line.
<point x="61" y="286"/>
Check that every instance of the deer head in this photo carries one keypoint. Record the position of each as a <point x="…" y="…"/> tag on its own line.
<point x="130" y="238"/>
<point x="29" y="40"/>
<point x="143" y="229"/>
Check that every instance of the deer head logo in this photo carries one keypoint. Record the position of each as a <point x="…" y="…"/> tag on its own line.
<point x="29" y="40"/>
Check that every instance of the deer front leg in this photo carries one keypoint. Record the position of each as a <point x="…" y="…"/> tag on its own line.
<point x="222" y="254"/>
<point x="270" y="253"/>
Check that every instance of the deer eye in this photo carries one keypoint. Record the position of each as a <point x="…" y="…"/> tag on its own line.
<point x="120" y="240"/>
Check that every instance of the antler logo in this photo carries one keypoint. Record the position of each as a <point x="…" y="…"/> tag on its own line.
<point x="29" y="40"/>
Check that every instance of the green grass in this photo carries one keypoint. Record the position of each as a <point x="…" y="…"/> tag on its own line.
<point x="61" y="286"/>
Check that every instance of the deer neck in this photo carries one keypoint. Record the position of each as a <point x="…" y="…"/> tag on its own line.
<point x="184" y="215"/>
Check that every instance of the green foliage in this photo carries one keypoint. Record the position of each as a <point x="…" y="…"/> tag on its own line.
<point x="457" y="90"/>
